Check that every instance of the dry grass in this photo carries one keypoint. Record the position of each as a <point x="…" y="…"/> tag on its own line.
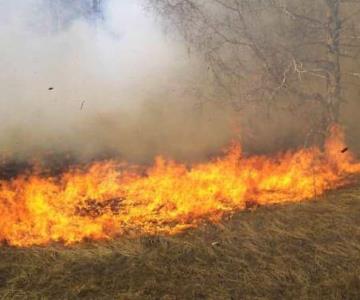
<point x="303" y="251"/>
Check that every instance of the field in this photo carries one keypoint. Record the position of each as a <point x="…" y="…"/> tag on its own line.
<point x="309" y="250"/>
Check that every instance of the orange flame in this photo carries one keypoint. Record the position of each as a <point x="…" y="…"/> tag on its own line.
<point x="107" y="199"/>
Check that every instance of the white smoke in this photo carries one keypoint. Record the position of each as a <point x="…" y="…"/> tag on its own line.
<point x="85" y="86"/>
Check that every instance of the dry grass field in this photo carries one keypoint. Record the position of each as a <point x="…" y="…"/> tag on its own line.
<point x="309" y="250"/>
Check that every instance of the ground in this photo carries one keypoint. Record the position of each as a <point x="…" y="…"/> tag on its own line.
<point x="309" y="250"/>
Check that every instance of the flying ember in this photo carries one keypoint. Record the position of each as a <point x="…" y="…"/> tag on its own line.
<point x="110" y="199"/>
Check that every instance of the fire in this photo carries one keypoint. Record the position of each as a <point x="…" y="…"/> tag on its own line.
<point x="110" y="199"/>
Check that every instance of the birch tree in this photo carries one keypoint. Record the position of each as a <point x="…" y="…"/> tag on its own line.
<point x="305" y="51"/>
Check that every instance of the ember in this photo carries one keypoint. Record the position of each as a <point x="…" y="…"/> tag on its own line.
<point x="107" y="199"/>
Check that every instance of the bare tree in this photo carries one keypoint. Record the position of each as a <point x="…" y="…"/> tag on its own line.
<point x="305" y="51"/>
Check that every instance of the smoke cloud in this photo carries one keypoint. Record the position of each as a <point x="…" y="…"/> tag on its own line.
<point x="116" y="84"/>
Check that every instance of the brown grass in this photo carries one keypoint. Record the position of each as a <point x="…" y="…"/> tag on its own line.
<point x="304" y="251"/>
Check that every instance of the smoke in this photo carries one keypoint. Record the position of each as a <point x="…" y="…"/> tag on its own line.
<point x="74" y="83"/>
<point x="116" y="85"/>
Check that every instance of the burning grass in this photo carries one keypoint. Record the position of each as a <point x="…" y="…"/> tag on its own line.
<point x="110" y="199"/>
<point x="306" y="250"/>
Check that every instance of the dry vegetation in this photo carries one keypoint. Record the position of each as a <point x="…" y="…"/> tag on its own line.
<point x="304" y="251"/>
<point x="268" y="51"/>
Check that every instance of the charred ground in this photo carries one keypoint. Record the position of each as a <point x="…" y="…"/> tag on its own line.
<point x="308" y="250"/>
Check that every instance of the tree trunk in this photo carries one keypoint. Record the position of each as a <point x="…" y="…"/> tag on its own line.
<point x="333" y="92"/>
<point x="96" y="6"/>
